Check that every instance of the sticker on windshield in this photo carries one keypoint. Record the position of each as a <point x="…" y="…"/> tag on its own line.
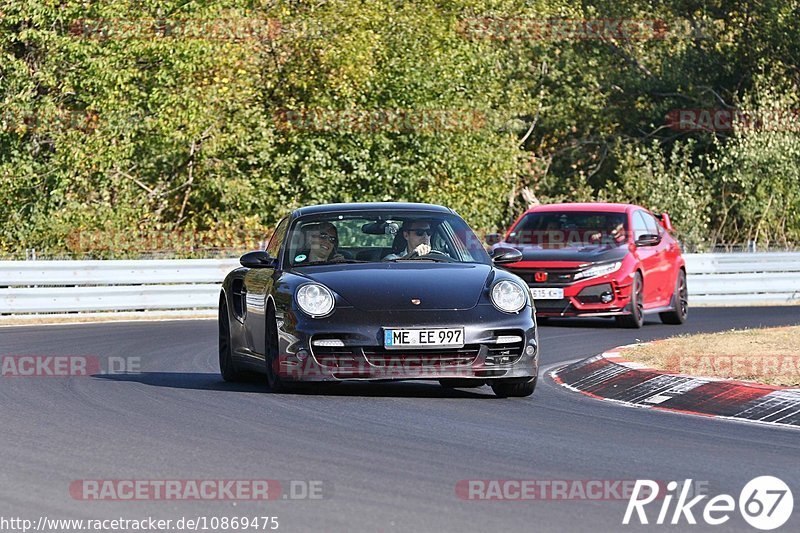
<point x="300" y="258"/>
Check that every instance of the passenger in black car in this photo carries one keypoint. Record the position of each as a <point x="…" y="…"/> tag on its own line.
<point x="322" y="244"/>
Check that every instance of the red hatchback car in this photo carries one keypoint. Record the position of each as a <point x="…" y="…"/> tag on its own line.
<point x="599" y="259"/>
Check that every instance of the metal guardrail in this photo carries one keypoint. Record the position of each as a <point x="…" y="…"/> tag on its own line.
<point x="28" y="287"/>
<point x="70" y="286"/>
<point x="743" y="278"/>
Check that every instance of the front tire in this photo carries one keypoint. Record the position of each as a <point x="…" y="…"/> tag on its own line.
<point x="680" y="303"/>
<point x="635" y="317"/>
<point x="514" y="388"/>
<point x="274" y="381"/>
<point x="227" y="368"/>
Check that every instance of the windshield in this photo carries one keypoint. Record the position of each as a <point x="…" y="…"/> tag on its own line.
<point x="570" y="229"/>
<point x="382" y="237"/>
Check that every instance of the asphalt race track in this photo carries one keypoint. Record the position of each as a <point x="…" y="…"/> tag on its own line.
<point x="389" y="455"/>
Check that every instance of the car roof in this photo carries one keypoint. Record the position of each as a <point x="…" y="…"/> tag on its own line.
<point x="601" y="207"/>
<point x="369" y="206"/>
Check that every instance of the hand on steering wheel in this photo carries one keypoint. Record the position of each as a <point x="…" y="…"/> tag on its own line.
<point x="429" y="252"/>
<point x="422" y="249"/>
<point x="437" y="252"/>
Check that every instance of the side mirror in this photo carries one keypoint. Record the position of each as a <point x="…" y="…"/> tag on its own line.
<point x="504" y="256"/>
<point x="648" y="239"/>
<point x="258" y="259"/>
<point x="492" y="238"/>
<point x="666" y="222"/>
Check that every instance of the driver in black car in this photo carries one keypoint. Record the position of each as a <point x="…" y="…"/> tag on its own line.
<point x="417" y="234"/>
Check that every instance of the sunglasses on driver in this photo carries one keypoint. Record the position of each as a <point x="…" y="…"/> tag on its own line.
<point x="325" y="236"/>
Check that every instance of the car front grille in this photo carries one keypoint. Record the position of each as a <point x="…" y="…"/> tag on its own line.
<point x="505" y="349"/>
<point x="380" y="356"/>
<point x="334" y="357"/>
<point x="591" y="294"/>
<point x="552" y="306"/>
<point x="350" y="357"/>
<point x="556" y="277"/>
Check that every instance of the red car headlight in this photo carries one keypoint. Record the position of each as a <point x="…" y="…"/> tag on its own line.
<point x="598" y="270"/>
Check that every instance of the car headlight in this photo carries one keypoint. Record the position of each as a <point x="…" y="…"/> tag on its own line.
<point x="314" y="299"/>
<point x="599" y="270"/>
<point x="508" y="296"/>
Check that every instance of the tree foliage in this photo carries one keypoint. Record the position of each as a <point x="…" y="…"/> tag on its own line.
<point x="126" y="121"/>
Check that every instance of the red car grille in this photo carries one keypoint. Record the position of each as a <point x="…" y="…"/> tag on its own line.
<point x="555" y="277"/>
<point x="552" y="306"/>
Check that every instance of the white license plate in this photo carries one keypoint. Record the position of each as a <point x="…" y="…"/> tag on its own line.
<point x="546" y="293"/>
<point x="423" y="338"/>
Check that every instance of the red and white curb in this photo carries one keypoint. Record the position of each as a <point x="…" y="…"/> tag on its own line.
<point x="609" y="376"/>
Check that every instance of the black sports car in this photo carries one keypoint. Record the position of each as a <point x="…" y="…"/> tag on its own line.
<point x="378" y="291"/>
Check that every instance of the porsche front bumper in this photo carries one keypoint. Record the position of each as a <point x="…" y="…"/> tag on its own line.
<point x="348" y="345"/>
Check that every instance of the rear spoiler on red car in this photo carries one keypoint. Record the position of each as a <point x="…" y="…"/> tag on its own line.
<point x="665" y="222"/>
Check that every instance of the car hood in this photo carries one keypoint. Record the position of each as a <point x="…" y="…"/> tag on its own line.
<point x="392" y="286"/>
<point x="590" y="253"/>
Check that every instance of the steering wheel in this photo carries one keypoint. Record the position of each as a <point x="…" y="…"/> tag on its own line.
<point x="441" y="255"/>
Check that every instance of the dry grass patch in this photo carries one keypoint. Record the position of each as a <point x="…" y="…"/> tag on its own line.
<point x="769" y="355"/>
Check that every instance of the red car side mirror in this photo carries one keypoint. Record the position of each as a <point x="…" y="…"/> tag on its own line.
<point x="665" y="222"/>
